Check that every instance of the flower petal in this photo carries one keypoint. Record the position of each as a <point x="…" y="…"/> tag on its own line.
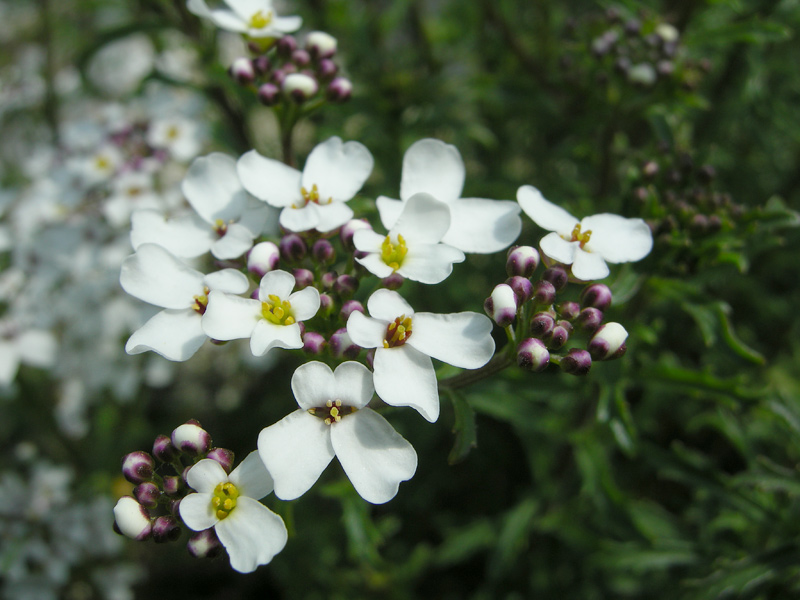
<point x="236" y="241"/>
<point x="559" y="249"/>
<point x="154" y="275"/>
<point x="174" y="334"/>
<point x="269" y="180"/>
<point x="424" y="220"/>
<point x="251" y="477"/>
<point x="404" y="376"/>
<point x="277" y="283"/>
<point x="354" y="385"/>
<point x="9" y="362"/>
<point x="204" y="476"/>
<point x="483" y="226"/>
<point x="460" y="339"/>
<point x="375" y="265"/>
<point x="37" y="347"/>
<point x="389" y="210"/>
<point x="295" y="451"/>
<point x="618" y="239"/>
<point x="589" y="266"/>
<point x="267" y="336"/>
<point x="230" y="317"/>
<point x="305" y="303"/>
<point x="365" y="331"/>
<point x="313" y="384"/>
<point x="227" y="280"/>
<point x="367" y="240"/>
<point x="338" y="169"/>
<point x="333" y="215"/>
<point x="252" y="534"/>
<point x="186" y="236"/>
<point x="545" y="214"/>
<point x="433" y="167"/>
<point x="430" y="263"/>
<point x="196" y="511"/>
<point x="300" y="219"/>
<point x="256" y="215"/>
<point x="213" y="188"/>
<point x="287" y="24"/>
<point x="373" y="455"/>
<point x="387" y="305"/>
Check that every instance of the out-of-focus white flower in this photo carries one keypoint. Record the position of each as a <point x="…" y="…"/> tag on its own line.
<point x="587" y="244"/>
<point x="254" y="18"/>
<point x="180" y="137"/>
<point x="119" y="67"/>
<point x="250" y="532"/>
<point x="131" y="191"/>
<point x="35" y="347"/>
<point x="477" y="225"/>
<point x="334" y="420"/>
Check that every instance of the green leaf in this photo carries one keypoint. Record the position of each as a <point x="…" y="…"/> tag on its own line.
<point x="750" y="31"/>
<point x="464" y="429"/>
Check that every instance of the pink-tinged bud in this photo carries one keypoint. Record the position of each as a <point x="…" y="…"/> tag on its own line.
<point x="174" y="507"/>
<point x="292" y="248"/>
<point x="589" y="319"/>
<point x="608" y="342"/>
<point x="523" y="288"/>
<point x="301" y="58"/>
<point x="147" y="494"/>
<point x="326" y="304"/>
<point x="131" y="519"/>
<point x="501" y="306"/>
<point x="261" y="64"/>
<point x="522" y="261"/>
<point x="544" y="293"/>
<point x="532" y="355"/>
<point x="349" y="307"/>
<point x="393" y="281"/>
<point x="204" y="544"/>
<point x="345" y="286"/>
<point x="559" y="336"/>
<point x="321" y="44"/>
<point x="340" y="90"/>
<point x="568" y="310"/>
<point x="166" y="529"/>
<point x="285" y="46"/>
<point x="342" y="346"/>
<point x="242" y="70"/>
<point x="269" y="94"/>
<point x="596" y="295"/>
<point x="137" y="467"/>
<point x="542" y="324"/>
<point x="556" y="275"/>
<point x="263" y="258"/>
<point x="191" y="439"/>
<point x="302" y="278"/>
<point x="163" y="449"/>
<point x="314" y="343"/>
<point x="223" y="456"/>
<point x="299" y="87"/>
<point x="328" y="279"/>
<point x="576" y="362"/>
<point x="349" y="229"/>
<point x="322" y="252"/>
<point x="326" y="69"/>
<point x="172" y="485"/>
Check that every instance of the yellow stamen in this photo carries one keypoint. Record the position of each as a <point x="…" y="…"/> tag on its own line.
<point x="332" y="412"/>
<point x="221" y="227"/>
<point x="277" y="311"/>
<point x="394" y="254"/>
<point x="397" y="332"/>
<point x="311" y="196"/>
<point x="260" y="20"/>
<point x="201" y="302"/>
<point x="224" y="499"/>
<point x="577" y="236"/>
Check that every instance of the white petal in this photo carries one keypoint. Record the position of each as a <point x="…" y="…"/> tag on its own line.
<point x="300" y="219"/>
<point x="618" y="239"/>
<point x="230" y="317"/>
<point x="236" y="241"/>
<point x="197" y="512"/>
<point x="559" y="249"/>
<point x="295" y="451"/>
<point x="338" y="169"/>
<point x="460" y="339"/>
<point x="269" y="180"/>
<point x="154" y="275"/>
<point x="332" y="216"/>
<point x="354" y="385"/>
<point x="9" y="362"/>
<point x="186" y="236"/>
<point x="228" y="20"/>
<point x="255" y="216"/>
<point x="365" y="331"/>
<point x="227" y="280"/>
<point x="199" y="8"/>
<point x="483" y="226"/>
<point x="424" y="220"/>
<point x="277" y="283"/>
<point x="251" y="477"/>
<point x="373" y="455"/>
<point x="267" y="336"/>
<point x="404" y="376"/>
<point x="37" y="347"/>
<point x="287" y="24"/>
<point x="245" y="9"/>
<point x="213" y="188"/>
<point x="367" y="240"/>
<point x="206" y="475"/>
<point x="389" y="210"/>
<point x="252" y="534"/>
<point x="387" y="305"/>
<point x="305" y="303"/>
<point x="589" y="266"/>
<point x="313" y="384"/>
<point x="430" y="263"/>
<point x="375" y="265"/>
<point x="433" y="167"/>
<point x="544" y="213"/>
<point x="174" y="334"/>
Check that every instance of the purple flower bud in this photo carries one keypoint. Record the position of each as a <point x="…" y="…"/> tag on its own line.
<point x="286" y="45"/>
<point x="501" y="306"/>
<point x="342" y="346"/>
<point x="322" y="252"/>
<point x="328" y="279"/>
<point x="542" y="324"/>
<point x="163" y="449"/>
<point x="299" y="87"/>
<point x="650" y="169"/>
<point x="204" y="544"/>
<point x="608" y="342"/>
<point x="261" y="64"/>
<point x="262" y="258"/>
<point x="301" y="58"/>
<point x="349" y="307"/>
<point x="576" y="362"/>
<point x="556" y="275"/>
<point x="345" y="286"/>
<point x="302" y="278"/>
<point x="568" y="310"/>
<point x="340" y="90"/>
<point x="174" y="507"/>
<point x="191" y="439"/>
<point x="523" y="288"/>
<point x="171" y="485"/>
<point x="589" y="319"/>
<point x="393" y="281"/>
<point x="633" y="27"/>
<point x="522" y="261"/>
<point x="242" y="70"/>
<point x="223" y="456"/>
<point x="327" y="69"/>
<point x="166" y="529"/>
<point x="269" y="94"/>
<point x="137" y="467"/>
<point x="349" y="229"/>
<point x="596" y="295"/>
<point x="147" y="494"/>
<point x="544" y="293"/>
<point x="532" y="355"/>
<point x="313" y="343"/>
<point x="559" y="335"/>
<point x="292" y="248"/>
<point x="326" y="304"/>
<point x="131" y="519"/>
<point x="321" y="44"/>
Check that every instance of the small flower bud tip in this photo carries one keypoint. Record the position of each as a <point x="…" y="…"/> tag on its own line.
<point x="576" y="362"/>
<point x="147" y="494"/>
<point x="262" y="258"/>
<point x="223" y="456"/>
<point x="523" y="288"/>
<point x="313" y="343"/>
<point x="166" y="529"/>
<point x="191" y="439"/>
<point x="608" y="342"/>
<point x="532" y="355"/>
<point x="556" y="275"/>
<point x="522" y="261"/>
<point x="132" y="519"/>
<point x="501" y="306"/>
<point x="137" y="467"/>
<point x="321" y="44"/>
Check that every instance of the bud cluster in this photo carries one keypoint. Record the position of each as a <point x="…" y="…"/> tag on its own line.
<point x="546" y="321"/>
<point x="151" y="512"/>
<point x="287" y="72"/>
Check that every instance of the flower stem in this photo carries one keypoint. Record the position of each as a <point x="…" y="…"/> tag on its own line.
<point x="498" y="363"/>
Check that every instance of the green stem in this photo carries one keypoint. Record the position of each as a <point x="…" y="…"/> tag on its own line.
<point x="498" y="363"/>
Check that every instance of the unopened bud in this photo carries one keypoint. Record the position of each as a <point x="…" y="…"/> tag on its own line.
<point x="339" y="90"/>
<point x="321" y="44"/>
<point x="292" y="248"/>
<point x="342" y="345"/>
<point x="323" y="252"/>
<point x="302" y="278"/>
<point x="242" y="70"/>
<point x="589" y="319"/>
<point x="191" y="439"/>
<point x="349" y="229"/>
<point x="285" y="46"/>
<point x="559" y="336"/>
<point x="557" y="275"/>
<point x="501" y="306"/>
<point x="349" y="307"/>
<point x="393" y="281"/>
<point x="596" y="295"/>
<point x="137" y="467"/>
<point x="299" y="87"/>
<point x="132" y="519"/>
<point x="542" y="324"/>
<point x="345" y="286"/>
<point x="523" y="288"/>
<point x="204" y="544"/>
<point x="327" y="69"/>
<point x="650" y="169"/>
<point x="261" y="64"/>
<point x="544" y="293"/>
<point x="608" y="342"/>
<point x="166" y="529"/>
<point x="326" y="304"/>
<point x="642" y="74"/>
<point x="328" y="279"/>
<point x="522" y="261"/>
<point x="313" y="343"/>
<point x="532" y="355"/>
<point x="262" y="258"/>
<point x="147" y="494"/>
<point x="576" y="362"/>
<point x="269" y="94"/>
<point x="568" y="310"/>
<point x="223" y="456"/>
<point x="301" y="58"/>
<point x="171" y="485"/>
<point x="163" y="449"/>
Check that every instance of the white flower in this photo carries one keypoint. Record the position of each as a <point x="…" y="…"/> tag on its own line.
<point x="181" y="137"/>
<point x="35" y="347"/>
<point x="229" y="220"/>
<point x="131" y="190"/>
<point x="250" y="532"/>
<point x="587" y="244"/>
<point x="271" y="321"/>
<point x="254" y="18"/>
<point x="156" y="276"/>
<point x="405" y="341"/>
<point x="315" y="198"/>
<point x="412" y="248"/>
<point x="476" y="225"/>
<point x="333" y="420"/>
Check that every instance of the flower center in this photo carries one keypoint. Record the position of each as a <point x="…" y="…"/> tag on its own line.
<point x="201" y="301"/>
<point x="398" y="332"/>
<point x="221" y="227"/>
<point x="260" y="20"/>
<point x="311" y="196"/>
<point x="393" y="254"/>
<point x="102" y="163"/>
<point x="173" y="132"/>
<point x="224" y="499"/>
<point x="277" y="311"/>
<point x="577" y="236"/>
<point x="332" y="412"/>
